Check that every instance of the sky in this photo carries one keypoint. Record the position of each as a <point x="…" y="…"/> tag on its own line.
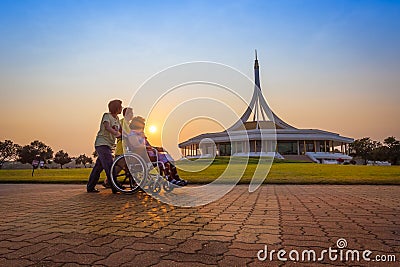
<point x="330" y="65"/>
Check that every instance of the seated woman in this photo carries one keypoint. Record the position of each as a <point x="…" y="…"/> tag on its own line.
<point x="137" y="139"/>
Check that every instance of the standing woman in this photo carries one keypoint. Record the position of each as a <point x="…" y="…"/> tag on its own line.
<point x="124" y="122"/>
<point x="105" y="142"/>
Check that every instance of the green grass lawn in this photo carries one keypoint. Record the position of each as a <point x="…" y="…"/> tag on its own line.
<point x="280" y="173"/>
<point x="46" y="176"/>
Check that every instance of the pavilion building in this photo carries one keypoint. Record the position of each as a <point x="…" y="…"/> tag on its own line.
<point x="260" y="132"/>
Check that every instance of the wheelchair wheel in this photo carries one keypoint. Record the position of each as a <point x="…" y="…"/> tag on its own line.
<point x="127" y="172"/>
<point x="168" y="187"/>
<point x="155" y="186"/>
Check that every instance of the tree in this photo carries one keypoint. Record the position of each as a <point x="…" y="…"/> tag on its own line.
<point x="83" y="159"/>
<point x="8" y="151"/>
<point x="94" y="154"/>
<point x="363" y="148"/>
<point x="62" y="158"/>
<point x="393" y="146"/>
<point x="35" y="151"/>
<point x="380" y="153"/>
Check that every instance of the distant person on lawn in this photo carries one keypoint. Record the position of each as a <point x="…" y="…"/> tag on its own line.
<point x="105" y="142"/>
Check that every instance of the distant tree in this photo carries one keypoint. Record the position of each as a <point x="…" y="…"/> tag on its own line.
<point x="62" y="158"/>
<point x="363" y="148"/>
<point x="83" y="159"/>
<point x="393" y="146"/>
<point x="8" y="151"/>
<point x="380" y="153"/>
<point x="35" y="151"/>
<point x="94" y="154"/>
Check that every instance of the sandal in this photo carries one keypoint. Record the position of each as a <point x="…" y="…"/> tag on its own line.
<point x="175" y="182"/>
<point x="184" y="182"/>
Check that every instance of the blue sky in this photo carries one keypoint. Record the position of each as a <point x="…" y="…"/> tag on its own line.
<point x="62" y="61"/>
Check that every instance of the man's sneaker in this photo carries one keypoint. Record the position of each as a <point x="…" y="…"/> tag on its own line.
<point x="94" y="190"/>
<point x="106" y="185"/>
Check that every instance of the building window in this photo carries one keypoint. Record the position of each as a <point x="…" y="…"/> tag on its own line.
<point x="258" y="145"/>
<point x="237" y="147"/>
<point x="224" y="149"/>
<point x="287" y="147"/>
<point x="310" y="146"/>
<point x="252" y="146"/>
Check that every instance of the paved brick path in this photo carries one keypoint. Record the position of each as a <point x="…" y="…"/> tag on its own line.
<point x="61" y="225"/>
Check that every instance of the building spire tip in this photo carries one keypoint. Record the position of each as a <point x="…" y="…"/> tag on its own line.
<point x="256" y="53"/>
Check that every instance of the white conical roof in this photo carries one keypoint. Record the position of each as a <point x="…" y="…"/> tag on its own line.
<point x="263" y="116"/>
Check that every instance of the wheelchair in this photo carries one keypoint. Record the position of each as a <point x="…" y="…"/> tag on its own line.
<point x="131" y="172"/>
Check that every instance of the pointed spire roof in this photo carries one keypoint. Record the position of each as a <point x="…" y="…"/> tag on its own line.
<point x="263" y="116"/>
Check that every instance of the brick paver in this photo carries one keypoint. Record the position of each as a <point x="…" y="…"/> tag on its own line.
<point x="62" y="225"/>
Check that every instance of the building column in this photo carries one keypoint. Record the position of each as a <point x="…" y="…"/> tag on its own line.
<point x="305" y="147"/>
<point x="298" y="147"/>
<point x="325" y="146"/>
<point x="315" y="146"/>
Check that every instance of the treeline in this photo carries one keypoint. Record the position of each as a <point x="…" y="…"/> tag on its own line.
<point x="36" y="152"/>
<point x="368" y="149"/>
<point x="364" y="148"/>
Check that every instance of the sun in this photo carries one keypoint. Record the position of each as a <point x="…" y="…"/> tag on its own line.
<point x="152" y="129"/>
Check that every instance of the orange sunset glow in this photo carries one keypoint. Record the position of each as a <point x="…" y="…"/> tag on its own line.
<point x="319" y="67"/>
